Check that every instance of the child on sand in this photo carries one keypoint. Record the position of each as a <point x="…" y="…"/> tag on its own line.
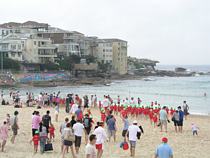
<point x="35" y="140"/>
<point x="195" y="129"/>
<point x="3" y="135"/>
<point x="155" y="119"/>
<point x="52" y="131"/>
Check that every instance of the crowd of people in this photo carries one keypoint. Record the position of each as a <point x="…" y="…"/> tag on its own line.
<point x="96" y="131"/>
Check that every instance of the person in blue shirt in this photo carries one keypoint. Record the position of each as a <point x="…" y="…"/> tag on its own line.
<point x="111" y="124"/>
<point x="164" y="150"/>
<point x="181" y="119"/>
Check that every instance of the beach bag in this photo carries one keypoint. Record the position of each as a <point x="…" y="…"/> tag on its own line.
<point x="48" y="147"/>
<point x="125" y="146"/>
<point x="69" y="135"/>
<point x="173" y="119"/>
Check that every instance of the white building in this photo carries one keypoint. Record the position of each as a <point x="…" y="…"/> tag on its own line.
<point x="13" y="47"/>
<point x="40" y="50"/>
<point x="27" y="48"/>
<point x="104" y="52"/>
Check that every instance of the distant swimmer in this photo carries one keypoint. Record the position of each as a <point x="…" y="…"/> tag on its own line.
<point x="205" y="95"/>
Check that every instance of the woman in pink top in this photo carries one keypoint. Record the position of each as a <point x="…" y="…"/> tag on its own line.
<point x="36" y="119"/>
<point x="3" y="135"/>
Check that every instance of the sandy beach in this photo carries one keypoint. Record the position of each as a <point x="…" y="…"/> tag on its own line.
<point x="184" y="145"/>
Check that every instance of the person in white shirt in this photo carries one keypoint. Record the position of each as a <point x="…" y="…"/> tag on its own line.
<point x="105" y="103"/>
<point x="62" y="126"/>
<point x="74" y="108"/>
<point x="132" y="132"/>
<point x="101" y="138"/>
<point x="90" y="150"/>
<point x="78" y="131"/>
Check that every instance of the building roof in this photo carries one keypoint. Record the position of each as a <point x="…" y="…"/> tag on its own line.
<point x="113" y="40"/>
<point x="27" y="24"/>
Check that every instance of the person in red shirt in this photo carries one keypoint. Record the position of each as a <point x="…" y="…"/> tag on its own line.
<point x="103" y="115"/>
<point x="150" y="113"/>
<point x="35" y="140"/>
<point x="52" y="131"/>
<point x="155" y="119"/>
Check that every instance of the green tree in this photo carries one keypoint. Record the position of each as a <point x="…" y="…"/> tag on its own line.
<point x="10" y="64"/>
<point x="49" y="66"/>
<point x="90" y="59"/>
<point x="68" y="62"/>
<point x="104" y="67"/>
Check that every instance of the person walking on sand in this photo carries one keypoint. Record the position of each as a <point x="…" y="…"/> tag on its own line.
<point x="175" y="119"/>
<point x="195" y="129"/>
<point x="36" y="119"/>
<point x="15" y="126"/>
<point x="164" y="150"/>
<point x="125" y="125"/>
<point x="101" y="138"/>
<point x="62" y="126"/>
<point x="78" y="130"/>
<point x="46" y="120"/>
<point x="68" y="136"/>
<point x="3" y="135"/>
<point x="90" y="150"/>
<point x="181" y="119"/>
<point x="185" y="109"/>
<point x="112" y="128"/>
<point x="163" y="116"/>
<point x="132" y="136"/>
<point x="42" y="137"/>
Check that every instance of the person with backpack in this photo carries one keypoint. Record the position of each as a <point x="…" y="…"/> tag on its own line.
<point x="46" y="119"/>
<point x="87" y="122"/>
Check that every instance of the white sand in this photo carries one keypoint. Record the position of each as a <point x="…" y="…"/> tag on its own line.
<point x="184" y="145"/>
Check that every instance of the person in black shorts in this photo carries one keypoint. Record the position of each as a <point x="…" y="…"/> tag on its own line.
<point x="87" y="122"/>
<point x="181" y="119"/>
<point x="175" y="119"/>
<point x="46" y="119"/>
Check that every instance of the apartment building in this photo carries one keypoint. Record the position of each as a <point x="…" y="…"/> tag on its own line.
<point x="12" y="46"/>
<point x="113" y="51"/>
<point x="104" y="52"/>
<point x="40" y="50"/>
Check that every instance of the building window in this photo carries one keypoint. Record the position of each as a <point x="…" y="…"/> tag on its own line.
<point x="34" y="42"/>
<point x="103" y="50"/>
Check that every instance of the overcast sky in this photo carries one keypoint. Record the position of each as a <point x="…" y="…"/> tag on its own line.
<point x="171" y="31"/>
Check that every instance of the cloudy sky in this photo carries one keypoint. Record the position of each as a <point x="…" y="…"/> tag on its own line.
<point x="171" y="31"/>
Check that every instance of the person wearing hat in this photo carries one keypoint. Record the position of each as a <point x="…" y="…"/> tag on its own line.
<point x="15" y="126"/>
<point x="132" y="136"/>
<point x="35" y="140"/>
<point x="164" y="150"/>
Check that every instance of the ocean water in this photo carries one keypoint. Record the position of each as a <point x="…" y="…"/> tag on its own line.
<point x="197" y="68"/>
<point x="169" y="91"/>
